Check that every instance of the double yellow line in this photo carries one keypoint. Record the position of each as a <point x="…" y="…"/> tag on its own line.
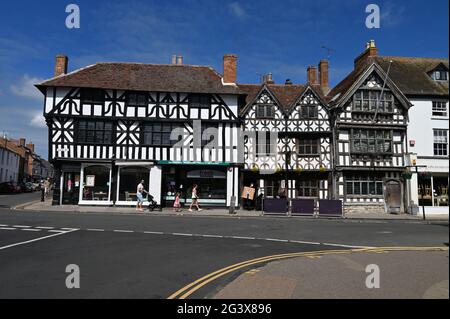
<point x="188" y="290"/>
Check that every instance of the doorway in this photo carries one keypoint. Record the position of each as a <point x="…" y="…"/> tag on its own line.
<point x="393" y="197"/>
<point x="71" y="188"/>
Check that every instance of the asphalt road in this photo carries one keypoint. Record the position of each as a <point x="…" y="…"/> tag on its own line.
<point x="153" y="256"/>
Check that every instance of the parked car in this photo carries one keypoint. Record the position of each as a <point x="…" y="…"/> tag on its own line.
<point x="36" y="186"/>
<point x="9" y="188"/>
<point x="29" y="187"/>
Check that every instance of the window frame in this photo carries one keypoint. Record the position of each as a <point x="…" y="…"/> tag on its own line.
<point x="266" y="114"/>
<point x="309" y="142"/>
<point x="440" y="148"/>
<point x="96" y="130"/>
<point x="437" y="108"/>
<point x="161" y="133"/>
<point x="369" y="141"/>
<point x="367" y="101"/>
<point x="193" y="103"/>
<point x="137" y="103"/>
<point x="364" y="185"/>
<point x="87" y="96"/>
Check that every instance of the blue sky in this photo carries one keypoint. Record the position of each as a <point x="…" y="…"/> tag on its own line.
<point x="282" y="37"/>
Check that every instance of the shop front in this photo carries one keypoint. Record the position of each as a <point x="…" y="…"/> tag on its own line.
<point x="216" y="182"/>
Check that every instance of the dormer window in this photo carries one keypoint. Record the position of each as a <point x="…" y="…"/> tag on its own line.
<point x="440" y="75"/>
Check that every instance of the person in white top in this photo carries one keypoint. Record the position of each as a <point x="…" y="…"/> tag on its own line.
<point x="194" y="198"/>
<point x="140" y="196"/>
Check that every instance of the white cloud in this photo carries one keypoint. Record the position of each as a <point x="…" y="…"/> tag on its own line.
<point x="237" y="10"/>
<point x="26" y="88"/>
<point x="38" y="121"/>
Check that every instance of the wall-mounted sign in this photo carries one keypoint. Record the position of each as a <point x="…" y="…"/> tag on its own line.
<point x="90" y="180"/>
<point x="412" y="143"/>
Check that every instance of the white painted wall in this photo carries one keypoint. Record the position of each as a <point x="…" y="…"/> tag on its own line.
<point x="9" y="166"/>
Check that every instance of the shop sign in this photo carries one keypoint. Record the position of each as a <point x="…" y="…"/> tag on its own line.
<point x="193" y="163"/>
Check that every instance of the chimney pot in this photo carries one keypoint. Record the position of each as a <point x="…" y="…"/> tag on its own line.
<point x="371" y="50"/>
<point x="61" y="64"/>
<point x="230" y="68"/>
<point x="174" y="59"/>
<point x="179" y="60"/>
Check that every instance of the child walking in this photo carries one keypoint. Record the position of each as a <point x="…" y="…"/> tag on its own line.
<point x="176" y="203"/>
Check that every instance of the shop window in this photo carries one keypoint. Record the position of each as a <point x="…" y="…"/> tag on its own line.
<point x="440" y="188"/>
<point x="271" y="188"/>
<point x="130" y="177"/>
<point x="96" y="183"/>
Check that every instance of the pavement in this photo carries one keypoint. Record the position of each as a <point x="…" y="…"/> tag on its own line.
<point x="343" y="276"/>
<point x="156" y="255"/>
<point x="37" y="205"/>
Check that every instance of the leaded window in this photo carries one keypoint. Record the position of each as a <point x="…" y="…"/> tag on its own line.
<point x="92" y="96"/>
<point x="202" y="101"/>
<point x="371" y="141"/>
<point x="95" y="132"/>
<point x="366" y="101"/>
<point x="309" y="112"/>
<point x="265" y="111"/>
<point x="137" y="99"/>
<point x="364" y="186"/>
<point x="308" y="147"/>
<point x="158" y="134"/>
<point x="307" y="188"/>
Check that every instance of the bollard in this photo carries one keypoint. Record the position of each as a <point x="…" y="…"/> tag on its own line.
<point x="42" y="195"/>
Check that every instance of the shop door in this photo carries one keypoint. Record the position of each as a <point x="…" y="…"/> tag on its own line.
<point x="71" y="188"/>
<point x="393" y="197"/>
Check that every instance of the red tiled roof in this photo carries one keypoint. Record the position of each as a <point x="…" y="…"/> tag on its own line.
<point x="145" y="77"/>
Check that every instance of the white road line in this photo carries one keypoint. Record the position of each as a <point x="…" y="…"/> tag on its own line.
<point x="44" y="227"/>
<point x="34" y="240"/>
<point x="123" y="231"/>
<point x="31" y="229"/>
<point x="57" y="231"/>
<point x="21" y="226"/>
<point x="247" y="238"/>
<point x="180" y="234"/>
<point x="7" y="228"/>
<point x="4" y="225"/>
<point x="94" y="229"/>
<point x="154" y="232"/>
<point x="69" y="228"/>
<point x="212" y="236"/>
<point x="304" y="242"/>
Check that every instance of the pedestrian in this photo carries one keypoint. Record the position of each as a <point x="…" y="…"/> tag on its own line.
<point x="195" y="201"/>
<point x="176" y="203"/>
<point x="140" y="196"/>
<point x="46" y="187"/>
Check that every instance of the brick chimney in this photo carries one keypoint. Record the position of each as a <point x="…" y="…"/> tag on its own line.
<point x="31" y="147"/>
<point x="61" y="64"/>
<point x="323" y="76"/>
<point x="229" y="68"/>
<point x="22" y="142"/>
<point x="371" y="50"/>
<point x="312" y="75"/>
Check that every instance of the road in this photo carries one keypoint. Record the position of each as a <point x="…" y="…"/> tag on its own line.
<point x="154" y="256"/>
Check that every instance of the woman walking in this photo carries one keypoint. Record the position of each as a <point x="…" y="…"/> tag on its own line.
<point x="194" y="198"/>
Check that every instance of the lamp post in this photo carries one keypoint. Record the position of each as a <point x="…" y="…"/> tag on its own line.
<point x="416" y="171"/>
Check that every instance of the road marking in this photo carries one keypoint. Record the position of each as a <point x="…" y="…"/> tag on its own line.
<point x="36" y="239"/>
<point x="246" y="238"/>
<point x="347" y="246"/>
<point x="154" y="232"/>
<point x="21" y="226"/>
<point x="56" y="231"/>
<point x="212" y="236"/>
<point x="7" y="228"/>
<point x="304" y="242"/>
<point x="181" y="234"/>
<point x="44" y="227"/>
<point x="123" y="231"/>
<point x="95" y="229"/>
<point x="4" y="225"/>
<point x="188" y="290"/>
<point x="31" y="229"/>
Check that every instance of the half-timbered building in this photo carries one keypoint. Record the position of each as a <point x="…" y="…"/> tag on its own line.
<point x="287" y="144"/>
<point x="112" y="125"/>
<point x="370" y="127"/>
